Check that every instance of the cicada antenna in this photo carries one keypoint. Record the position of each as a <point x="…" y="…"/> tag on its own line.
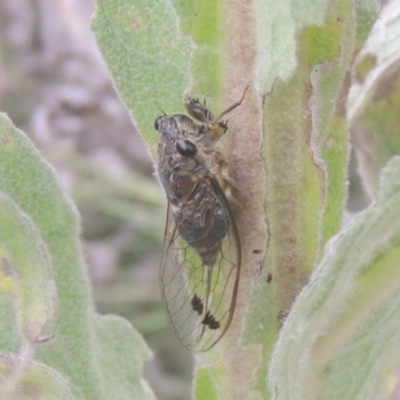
<point x="160" y="108"/>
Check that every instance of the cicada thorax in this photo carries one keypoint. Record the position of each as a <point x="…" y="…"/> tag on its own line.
<point x="191" y="191"/>
<point x="201" y="260"/>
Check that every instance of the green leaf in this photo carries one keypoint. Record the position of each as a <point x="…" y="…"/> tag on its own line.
<point x="33" y="378"/>
<point x="205" y="387"/>
<point x="344" y="325"/>
<point x="147" y="56"/>
<point x="375" y="98"/>
<point x="305" y="151"/>
<point x="26" y="270"/>
<point x="49" y="318"/>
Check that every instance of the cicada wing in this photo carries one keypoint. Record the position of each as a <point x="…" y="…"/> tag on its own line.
<point x="200" y="300"/>
<point x="174" y="281"/>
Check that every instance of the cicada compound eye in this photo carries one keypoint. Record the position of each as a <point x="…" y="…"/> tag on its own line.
<point x="186" y="148"/>
<point x="157" y="122"/>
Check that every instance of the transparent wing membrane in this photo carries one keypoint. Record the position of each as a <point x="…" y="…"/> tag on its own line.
<point x="200" y="300"/>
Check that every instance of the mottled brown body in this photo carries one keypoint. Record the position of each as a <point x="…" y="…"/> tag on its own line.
<point x="201" y="260"/>
<point x="194" y="195"/>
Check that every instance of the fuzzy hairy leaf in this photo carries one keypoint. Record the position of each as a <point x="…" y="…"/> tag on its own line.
<point x="50" y="335"/>
<point x="344" y="325"/>
<point x="375" y="98"/>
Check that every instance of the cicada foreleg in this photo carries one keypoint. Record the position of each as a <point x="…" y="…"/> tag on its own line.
<point x="213" y="124"/>
<point x="229" y="109"/>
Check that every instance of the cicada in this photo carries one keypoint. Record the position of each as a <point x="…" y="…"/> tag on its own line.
<point x="201" y="260"/>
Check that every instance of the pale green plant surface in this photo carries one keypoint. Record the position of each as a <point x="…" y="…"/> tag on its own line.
<point x="26" y="272"/>
<point x="287" y="148"/>
<point x="340" y="340"/>
<point x="375" y="98"/>
<point x="51" y="338"/>
<point x="147" y="56"/>
<point x="34" y="378"/>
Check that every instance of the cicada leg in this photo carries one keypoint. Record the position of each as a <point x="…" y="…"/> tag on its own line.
<point x="213" y="124"/>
